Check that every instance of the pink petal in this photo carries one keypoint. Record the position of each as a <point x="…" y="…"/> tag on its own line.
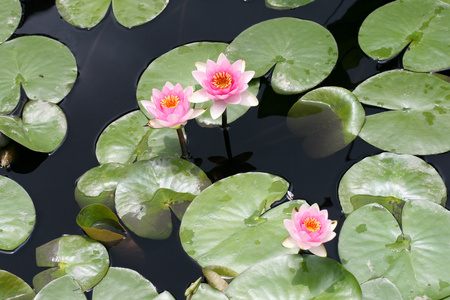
<point x="197" y="112"/>
<point x="234" y="99"/>
<point x="169" y="85"/>
<point x="248" y="99"/>
<point x="247" y="76"/>
<point x="217" y="109"/>
<point x="199" y="96"/>
<point x="200" y="77"/>
<point x="200" y="66"/>
<point x="155" y="124"/>
<point x="221" y="59"/>
<point x="319" y="250"/>
<point x="237" y="65"/>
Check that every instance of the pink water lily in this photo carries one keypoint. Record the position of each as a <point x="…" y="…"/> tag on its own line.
<point x="223" y="82"/>
<point x="309" y="228"/>
<point x="170" y="107"/>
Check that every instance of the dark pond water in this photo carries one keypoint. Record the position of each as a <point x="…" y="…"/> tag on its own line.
<point x="111" y="59"/>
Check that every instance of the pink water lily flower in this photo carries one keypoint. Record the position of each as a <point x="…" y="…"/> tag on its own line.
<point x="309" y="228"/>
<point x="223" y="82"/>
<point x="170" y="107"/>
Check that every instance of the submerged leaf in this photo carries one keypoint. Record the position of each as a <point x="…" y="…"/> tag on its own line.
<point x="286" y="4"/>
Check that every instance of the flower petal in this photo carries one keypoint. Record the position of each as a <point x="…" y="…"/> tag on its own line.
<point x="248" y="99"/>
<point x="217" y="109"/>
<point x="200" y="66"/>
<point x="200" y="77"/>
<point x="290" y="243"/>
<point x="153" y="123"/>
<point x="199" y="96"/>
<point x="319" y="250"/>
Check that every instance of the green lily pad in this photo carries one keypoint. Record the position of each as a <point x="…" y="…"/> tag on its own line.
<point x="129" y="13"/>
<point x="303" y="53"/>
<point x="295" y="277"/>
<point x="85" y="259"/>
<point x="64" y="287"/>
<point x="286" y="4"/>
<point x="380" y="288"/>
<point x="42" y="128"/>
<point x="17" y="216"/>
<point x="101" y="224"/>
<point x="230" y="224"/>
<point x="120" y="283"/>
<point x="164" y="296"/>
<point x="43" y="67"/>
<point x="420" y="25"/>
<point x="10" y="16"/>
<point x="99" y="184"/>
<point x="128" y="139"/>
<point x="151" y="189"/>
<point x="401" y="176"/>
<point x="329" y="117"/>
<point x="205" y="291"/>
<point x="372" y="245"/>
<point x="419" y="122"/>
<point x="13" y="287"/>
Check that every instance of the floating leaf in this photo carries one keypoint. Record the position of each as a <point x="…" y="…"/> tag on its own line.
<point x="42" y="128"/>
<point x="127" y="139"/>
<point x="420" y="25"/>
<point x="65" y="288"/>
<point x="230" y="224"/>
<point x="401" y="176"/>
<point x="303" y="53"/>
<point x="205" y="291"/>
<point x="101" y="224"/>
<point x="295" y="277"/>
<point x="13" y="287"/>
<point x="10" y="16"/>
<point x="286" y="4"/>
<point x="380" y="288"/>
<point x="17" y="214"/>
<point x="99" y="184"/>
<point x="129" y="13"/>
<point x="329" y="117"/>
<point x="85" y="259"/>
<point x="419" y="122"/>
<point x="150" y="190"/>
<point x="372" y="244"/>
<point x="24" y="62"/>
<point x="120" y="283"/>
<point x="164" y="296"/>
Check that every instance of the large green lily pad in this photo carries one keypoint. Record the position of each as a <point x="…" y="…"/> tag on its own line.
<point x="229" y="224"/>
<point x="129" y="13"/>
<point x="401" y="176"/>
<point x="45" y="68"/>
<point x="42" y="128"/>
<point x="295" y="277"/>
<point x="10" y="16"/>
<point x="99" y="184"/>
<point x="128" y="139"/>
<point x="419" y="120"/>
<point x="303" y="53"/>
<point x="413" y="257"/>
<point x="380" y="288"/>
<point x="286" y="4"/>
<point x="17" y="214"/>
<point x="150" y="190"/>
<point x="13" y="287"/>
<point x="205" y="291"/>
<point x="83" y="258"/>
<point x="64" y="287"/>
<point x="120" y="283"/>
<point x="329" y="117"/>
<point x="420" y="25"/>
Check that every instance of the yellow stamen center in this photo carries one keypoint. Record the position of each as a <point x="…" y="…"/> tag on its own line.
<point x="222" y="80"/>
<point x="170" y="101"/>
<point x="311" y="224"/>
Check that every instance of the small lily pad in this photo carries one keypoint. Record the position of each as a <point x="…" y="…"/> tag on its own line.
<point x="128" y="139"/>
<point x="42" y="128"/>
<point x="129" y="13"/>
<point x="85" y="259"/>
<point x="286" y="4"/>
<point x="380" y="288"/>
<point x="401" y="176"/>
<point x="101" y="224"/>
<point x="99" y="184"/>
<point x="64" y="287"/>
<point x="13" y="287"/>
<point x="150" y="190"/>
<point x="17" y="216"/>
<point x="43" y="67"/>
<point x="303" y="52"/>
<point x="295" y="277"/>
<point x="205" y="291"/>
<point x="420" y="25"/>
<point x="418" y="122"/>
<point x="230" y="224"/>
<point x="10" y="16"/>
<point x="329" y="117"/>
<point x="372" y="244"/>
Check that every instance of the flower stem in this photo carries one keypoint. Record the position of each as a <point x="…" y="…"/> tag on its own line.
<point x="184" y="152"/>
<point x="226" y="136"/>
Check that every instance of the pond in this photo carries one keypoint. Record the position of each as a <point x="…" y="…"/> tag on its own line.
<point x="111" y="60"/>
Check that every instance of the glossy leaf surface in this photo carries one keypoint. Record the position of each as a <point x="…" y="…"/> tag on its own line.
<point x="64" y="287"/>
<point x="380" y="288"/>
<point x="13" y="287"/>
<point x="10" y="15"/>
